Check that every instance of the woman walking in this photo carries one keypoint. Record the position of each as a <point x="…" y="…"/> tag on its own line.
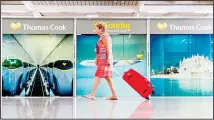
<point x="103" y="61"/>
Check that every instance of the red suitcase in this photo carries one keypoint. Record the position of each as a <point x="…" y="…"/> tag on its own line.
<point x="139" y="83"/>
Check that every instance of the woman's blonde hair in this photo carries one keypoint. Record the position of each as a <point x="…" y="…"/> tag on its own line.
<point x="101" y="25"/>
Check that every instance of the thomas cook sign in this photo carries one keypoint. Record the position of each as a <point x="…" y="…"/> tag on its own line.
<point x="37" y="26"/>
<point x="181" y="26"/>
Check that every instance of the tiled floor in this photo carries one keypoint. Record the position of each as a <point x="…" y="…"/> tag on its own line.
<point x="37" y="108"/>
<point x="157" y="107"/>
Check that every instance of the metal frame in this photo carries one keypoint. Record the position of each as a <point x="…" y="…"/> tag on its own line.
<point x="148" y="48"/>
<point x="74" y="69"/>
<point x="74" y="58"/>
<point x="77" y="17"/>
<point x="1" y="70"/>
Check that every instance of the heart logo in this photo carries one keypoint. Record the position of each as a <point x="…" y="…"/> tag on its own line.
<point x="15" y="26"/>
<point x="64" y="64"/>
<point x="162" y="26"/>
<point x="139" y="56"/>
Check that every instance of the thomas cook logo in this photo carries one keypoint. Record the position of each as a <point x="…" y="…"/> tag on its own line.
<point x="64" y="64"/>
<point x="162" y="26"/>
<point x="15" y="26"/>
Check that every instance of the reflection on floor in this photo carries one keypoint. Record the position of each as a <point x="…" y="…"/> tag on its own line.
<point x="139" y="108"/>
<point x="156" y="107"/>
<point x="37" y="108"/>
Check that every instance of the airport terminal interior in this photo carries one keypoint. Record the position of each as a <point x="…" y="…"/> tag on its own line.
<point x="48" y="51"/>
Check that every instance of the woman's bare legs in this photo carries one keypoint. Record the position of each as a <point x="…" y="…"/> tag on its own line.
<point x="110" y="83"/>
<point x="96" y="83"/>
<point x="92" y="94"/>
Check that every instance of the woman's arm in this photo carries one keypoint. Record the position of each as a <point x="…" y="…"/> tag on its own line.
<point x="105" y="41"/>
<point x="96" y="60"/>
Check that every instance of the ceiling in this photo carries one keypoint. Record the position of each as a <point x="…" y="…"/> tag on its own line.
<point x="85" y="3"/>
<point x="107" y="8"/>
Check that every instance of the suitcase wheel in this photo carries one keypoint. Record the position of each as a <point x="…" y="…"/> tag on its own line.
<point x="147" y="98"/>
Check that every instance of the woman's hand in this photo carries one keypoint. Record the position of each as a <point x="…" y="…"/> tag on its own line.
<point x="105" y="41"/>
<point x="108" y="61"/>
<point x="96" y="62"/>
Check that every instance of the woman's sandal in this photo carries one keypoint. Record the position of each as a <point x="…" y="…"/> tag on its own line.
<point x="112" y="98"/>
<point x="89" y="97"/>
